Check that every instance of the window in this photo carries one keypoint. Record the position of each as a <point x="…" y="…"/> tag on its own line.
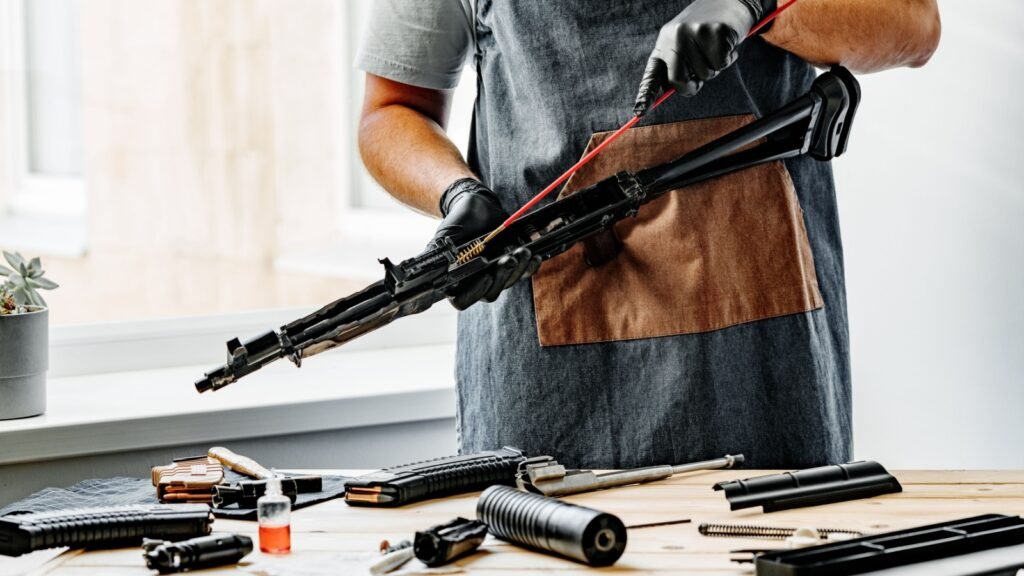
<point x="42" y="94"/>
<point x="53" y="88"/>
<point x="203" y="153"/>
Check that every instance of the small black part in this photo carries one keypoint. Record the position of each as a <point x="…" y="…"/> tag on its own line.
<point x="853" y="92"/>
<point x="839" y="91"/>
<point x="811" y="487"/>
<point x="102" y="527"/>
<point x="393" y="275"/>
<point x="899" y="548"/>
<point x="444" y="543"/>
<point x="245" y="493"/>
<point x="195" y="554"/>
<point x="235" y="348"/>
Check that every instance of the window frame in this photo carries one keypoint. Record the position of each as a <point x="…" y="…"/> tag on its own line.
<point x="47" y="214"/>
<point x="359" y="224"/>
<point x="25" y="192"/>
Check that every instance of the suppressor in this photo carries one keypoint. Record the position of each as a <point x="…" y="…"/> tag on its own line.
<point x="546" y="524"/>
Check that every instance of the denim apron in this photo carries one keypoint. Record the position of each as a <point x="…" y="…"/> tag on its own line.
<point x="775" y="387"/>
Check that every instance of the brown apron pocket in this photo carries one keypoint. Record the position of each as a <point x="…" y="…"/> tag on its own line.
<point x="717" y="254"/>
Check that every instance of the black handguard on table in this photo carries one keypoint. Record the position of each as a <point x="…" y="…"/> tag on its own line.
<point x="102" y="527"/>
<point x="880" y="552"/>
<point x="246" y="493"/>
<point x="400" y="485"/>
<point x="811" y="487"/>
<point x="816" y="124"/>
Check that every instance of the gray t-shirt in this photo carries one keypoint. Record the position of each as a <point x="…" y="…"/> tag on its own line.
<point x="419" y="42"/>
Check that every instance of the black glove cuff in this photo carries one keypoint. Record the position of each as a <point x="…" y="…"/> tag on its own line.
<point x="460" y="187"/>
<point x="767" y="7"/>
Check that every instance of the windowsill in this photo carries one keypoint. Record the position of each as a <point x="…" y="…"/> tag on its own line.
<point x="49" y="235"/>
<point x="120" y="411"/>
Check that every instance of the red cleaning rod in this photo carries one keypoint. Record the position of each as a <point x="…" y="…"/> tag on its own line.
<point x="600" y="147"/>
<point x="583" y="161"/>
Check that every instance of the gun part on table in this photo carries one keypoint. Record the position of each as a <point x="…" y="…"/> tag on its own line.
<point x="246" y="492"/>
<point x="445" y="543"/>
<point x="102" y="527"/>
<point x="810" y="487"/>
<point x="553" y="526"/>
<point x="544" y="475"/>
<point x="766" y="532"/>
<point x="816" y="124"/>
<point x="878" y="552"/>
<point x="409" y="483"/>
<point x="189" y="479"/>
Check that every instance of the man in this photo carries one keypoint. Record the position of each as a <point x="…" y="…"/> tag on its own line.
<point x="720" y="326"/>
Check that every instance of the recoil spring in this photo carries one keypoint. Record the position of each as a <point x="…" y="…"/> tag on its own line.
<point x="761" y="531"/>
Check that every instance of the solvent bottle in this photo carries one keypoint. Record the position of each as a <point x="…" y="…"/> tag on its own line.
<point x="274" y="511"/>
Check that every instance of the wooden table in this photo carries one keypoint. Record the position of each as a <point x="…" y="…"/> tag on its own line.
<point x="345" y="538"/>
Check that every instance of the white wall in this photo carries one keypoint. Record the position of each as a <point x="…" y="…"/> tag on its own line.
<point x="932" y="208"/>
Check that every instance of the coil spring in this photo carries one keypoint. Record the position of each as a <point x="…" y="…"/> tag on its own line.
<point x="761" y="531"/>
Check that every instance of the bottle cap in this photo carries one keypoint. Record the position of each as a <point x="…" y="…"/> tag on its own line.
<point x="274" y="484"/>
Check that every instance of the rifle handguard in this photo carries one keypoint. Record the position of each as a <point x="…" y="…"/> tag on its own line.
<point x="400" y="485"/>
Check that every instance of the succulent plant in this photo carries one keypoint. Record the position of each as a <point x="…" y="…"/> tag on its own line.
<point x="24" y="280"/>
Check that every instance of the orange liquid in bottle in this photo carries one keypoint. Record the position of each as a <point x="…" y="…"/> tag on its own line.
<point x="276" y="539"/>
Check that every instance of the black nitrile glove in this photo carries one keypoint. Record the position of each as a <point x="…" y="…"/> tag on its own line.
<point x="471" y="210"/>
<point x="698" y="44"/>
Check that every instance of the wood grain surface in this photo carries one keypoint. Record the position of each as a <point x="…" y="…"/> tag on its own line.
<point x="333" y="538"/>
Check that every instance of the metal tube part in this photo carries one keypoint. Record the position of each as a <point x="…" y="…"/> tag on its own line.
<point x="549" y="478"/>
<point x="549" y="525"/>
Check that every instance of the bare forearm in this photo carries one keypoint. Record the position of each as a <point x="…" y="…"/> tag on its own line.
<point x="863" y="35"/>
<point x="404" y="146"/>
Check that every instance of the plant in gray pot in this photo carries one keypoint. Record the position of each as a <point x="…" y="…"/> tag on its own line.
<point x="24" y="339"/>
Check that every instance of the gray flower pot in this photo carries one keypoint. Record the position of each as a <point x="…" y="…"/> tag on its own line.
<point x="24" y="358"/>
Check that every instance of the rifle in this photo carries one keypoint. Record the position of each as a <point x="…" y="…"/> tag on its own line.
<point x="817" y="124"/>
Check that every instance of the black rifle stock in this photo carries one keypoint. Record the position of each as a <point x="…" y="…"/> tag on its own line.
<point x="817" y="123"/>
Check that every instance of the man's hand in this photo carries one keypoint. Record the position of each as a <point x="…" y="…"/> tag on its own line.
<point x="698" y="44"/>
<point x="471" y="210"/>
